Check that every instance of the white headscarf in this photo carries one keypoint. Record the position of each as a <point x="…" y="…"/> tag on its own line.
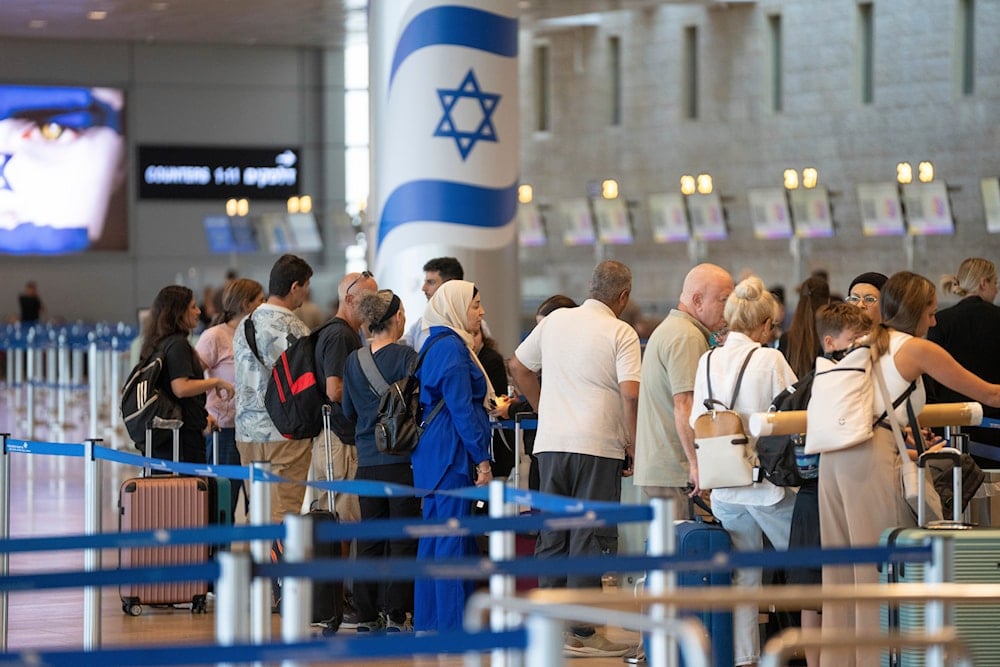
<point x="449" y="307"/>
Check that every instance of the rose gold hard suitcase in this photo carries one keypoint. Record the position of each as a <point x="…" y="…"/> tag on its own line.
<point x="158" y="502"/>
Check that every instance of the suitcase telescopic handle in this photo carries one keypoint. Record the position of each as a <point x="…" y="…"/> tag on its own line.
<point x="331" y="497"/>
<point x="955" y="456"/>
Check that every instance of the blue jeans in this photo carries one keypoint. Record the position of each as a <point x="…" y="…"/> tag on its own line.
<point x="747" y="524"/>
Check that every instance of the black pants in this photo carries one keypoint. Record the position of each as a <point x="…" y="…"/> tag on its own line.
<point x="395" y="596"/>
<point x="587" y="478"/>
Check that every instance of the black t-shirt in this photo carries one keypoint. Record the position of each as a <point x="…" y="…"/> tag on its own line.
<point x="333" y="345"/>
<point x="31" y="308"/>
<point x="180" y="361"/>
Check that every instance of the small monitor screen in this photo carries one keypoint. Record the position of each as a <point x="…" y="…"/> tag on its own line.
<point x="991" y="203"/>
<point x="811" y="213"/>
<point x="578" y="226"/>
<point x="612" y="220"/>
<point x="274" y="232"/>
<point x="668" y="218"/>
<point x="62" y="170"/>
<point x="881" y="212"/>
<point x="305" y="232"/>
<point x="531" y="226"/>
<point x="927" y="209"/>
<point x="707" y="220"/>
<point x="769" y="213"/>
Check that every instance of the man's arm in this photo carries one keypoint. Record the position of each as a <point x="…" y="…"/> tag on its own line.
<point x="682" y="416"/>
<point x="527" y="382"/>
<point x="630" y="408"/>
<point x="334" y="388"/>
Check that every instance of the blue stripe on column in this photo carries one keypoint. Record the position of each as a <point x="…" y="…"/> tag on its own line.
<point x="456" y="26"/>
<point x="447" y="201"/>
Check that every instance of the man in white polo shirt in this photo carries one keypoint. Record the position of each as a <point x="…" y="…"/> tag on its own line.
<point x="587" y="417"/>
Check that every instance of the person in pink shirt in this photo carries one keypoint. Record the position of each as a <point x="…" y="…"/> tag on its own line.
<point x="215" y="347"/>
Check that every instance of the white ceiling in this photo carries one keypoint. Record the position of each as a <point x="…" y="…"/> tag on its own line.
<point x="317" y="23"/>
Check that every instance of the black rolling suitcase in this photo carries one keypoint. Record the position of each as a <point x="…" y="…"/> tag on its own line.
<point x="327" y="596"/>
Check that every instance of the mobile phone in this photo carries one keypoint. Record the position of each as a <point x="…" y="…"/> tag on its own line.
<point x="628" y="462"/>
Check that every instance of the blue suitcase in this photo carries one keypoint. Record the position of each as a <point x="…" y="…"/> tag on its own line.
<point x="702" y="539"/>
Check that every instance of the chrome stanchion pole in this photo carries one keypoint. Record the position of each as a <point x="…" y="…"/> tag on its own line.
<point x="62" y="382"/>
<point x="92" y="557"/>
<point x="545" y="641"/>
<point x="232" y="599"/>
<point x="662" y="649"/>
<point x="260" y="589"/>
<point x="29" y="383"/>
<point x="4" y="534"/>
<point x="115" y="386"/>
<point x="93" y="383"/>
<point x="501" y="586"/>
<point x="51" y="376"/>
<point x="296" y="592"/>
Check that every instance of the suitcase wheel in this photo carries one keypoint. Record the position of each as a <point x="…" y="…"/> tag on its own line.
<point x="132" y="608"/>
<point x="199" y="605"/>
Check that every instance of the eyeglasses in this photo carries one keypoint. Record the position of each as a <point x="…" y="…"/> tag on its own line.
<point x="868" y="299"/>
<point x="364" y="275"/>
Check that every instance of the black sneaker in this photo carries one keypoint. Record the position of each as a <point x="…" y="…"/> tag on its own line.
<point x="350" y="620"/>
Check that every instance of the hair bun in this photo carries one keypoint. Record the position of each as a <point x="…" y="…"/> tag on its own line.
<point x="750" y="289"/>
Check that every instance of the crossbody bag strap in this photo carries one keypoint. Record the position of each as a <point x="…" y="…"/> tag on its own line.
<point x="711" y="401"/>
<point x="376" y="381"/>
<point x="420" y="360"/>
<point x="896" y="431"/>
<point x="739" y="378"/>
<point x="250" y="331"/>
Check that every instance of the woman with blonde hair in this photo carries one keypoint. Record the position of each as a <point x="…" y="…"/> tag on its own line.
<point x="969" y="331"/>
<point x="215" y="347"/>
<point x="455" y="442"/>
<point x="761" y="508"/>
<point x="860" y="488"/>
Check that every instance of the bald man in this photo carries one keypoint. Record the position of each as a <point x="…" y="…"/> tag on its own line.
<point x="334" y="343"/>
<point x="665" y="461"/>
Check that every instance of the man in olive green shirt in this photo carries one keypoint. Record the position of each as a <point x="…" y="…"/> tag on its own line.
<point x="665" y="461"/>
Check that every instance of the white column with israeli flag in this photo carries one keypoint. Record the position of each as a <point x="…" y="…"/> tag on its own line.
<point x="445" y="149"/>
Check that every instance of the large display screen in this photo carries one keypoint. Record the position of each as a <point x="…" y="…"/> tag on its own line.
<point x="928" y="211"/>
<point x="881" y="212"/>
<point x="668" y="217"/>
<point x="200" y="172"/>
<point x="62" y="170"/>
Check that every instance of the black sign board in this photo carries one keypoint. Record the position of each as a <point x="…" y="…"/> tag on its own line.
<point x="181" y="172"/>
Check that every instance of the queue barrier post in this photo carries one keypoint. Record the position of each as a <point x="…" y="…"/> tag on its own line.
<point x="92" y="492"/>
<point x="296" y="592"/>
<point x="260" y="590"/>
<point x="232" y="601"/>
<point x="93" y="382"/>
<point x="501" y="547"/>
<point x="4" y="534"/>
<point x="545" y="641"/>
<point x="662" y="542"/>
<point x="29" y="384"/>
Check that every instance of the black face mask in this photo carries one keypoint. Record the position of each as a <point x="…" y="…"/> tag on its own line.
<point x="837" y="355"/>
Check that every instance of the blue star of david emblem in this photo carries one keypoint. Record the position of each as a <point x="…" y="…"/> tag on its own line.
<point x="4" y="159"/>
<point x="487" y="103"/>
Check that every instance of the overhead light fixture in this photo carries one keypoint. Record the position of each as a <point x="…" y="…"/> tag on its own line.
<point x="810" y="177"/>
<point x="705" y="184"/>
<point x="97" y="15"/>
<point x="231" y="207"/>
<point x="687" y="185"/>
<point x="525" y="193"/>
<point x="904" y="173"/>
<point x="609" y="189"/>
<point x="242" y="207"/>
<point x="791" y="178"/>
<point x="925" y="171"/>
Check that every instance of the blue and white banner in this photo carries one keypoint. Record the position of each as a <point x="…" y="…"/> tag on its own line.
<point x="445" y="132"/>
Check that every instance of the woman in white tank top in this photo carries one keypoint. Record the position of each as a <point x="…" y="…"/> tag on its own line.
<point x="860" y="492"/>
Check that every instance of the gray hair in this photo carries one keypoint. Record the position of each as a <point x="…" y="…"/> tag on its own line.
<point x="609" y="280"/>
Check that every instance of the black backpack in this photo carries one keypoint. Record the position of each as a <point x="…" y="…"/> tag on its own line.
<point x="143" y="398"/>
<point x="780" y="456"/>
<point x="400" y="423"/>
<point x="295" y="396"/>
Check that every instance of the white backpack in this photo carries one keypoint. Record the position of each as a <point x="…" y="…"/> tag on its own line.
<point x="841" y="409"/>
